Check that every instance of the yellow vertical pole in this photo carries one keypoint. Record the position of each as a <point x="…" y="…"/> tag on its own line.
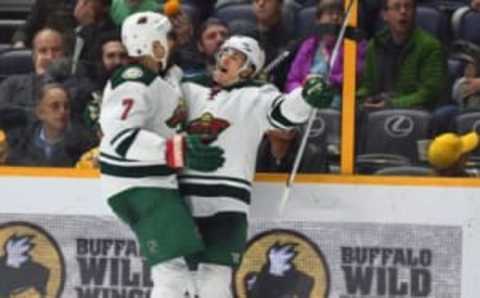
<point x="348" y="94"/>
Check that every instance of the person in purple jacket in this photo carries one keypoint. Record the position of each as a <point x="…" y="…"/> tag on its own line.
<point x="314" y="54"/>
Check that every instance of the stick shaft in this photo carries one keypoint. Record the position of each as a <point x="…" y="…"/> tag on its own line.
<point x="312" y="116"/>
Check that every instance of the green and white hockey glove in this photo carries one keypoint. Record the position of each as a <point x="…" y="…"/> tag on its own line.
<point x="317" y="92"/>
<point x="189" y="151"/>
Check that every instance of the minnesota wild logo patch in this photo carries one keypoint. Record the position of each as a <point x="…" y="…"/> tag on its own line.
<point x="207" y="125"/>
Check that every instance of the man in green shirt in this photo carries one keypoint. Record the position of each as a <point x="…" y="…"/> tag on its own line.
<point x="405" y="66"/>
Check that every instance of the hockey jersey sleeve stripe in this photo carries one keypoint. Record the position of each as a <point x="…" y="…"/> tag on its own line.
<point x="135" y="171"/>
<point x="119" y="135"/>
<point x="277" y="119"/>
<point x="278" y="116"/>
<point x="274" y="124"/>
<point x="125" y="144"/>
<point x="215" y="190"/>
<point x="277" y="101"/>
<point x="217" y="178"/>
<point x="108" y="156"/>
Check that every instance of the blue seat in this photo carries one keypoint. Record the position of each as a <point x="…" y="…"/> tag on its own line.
<point x="434" y="21"/>
<point x="5" y="47"/>
<point x="405" y="171"/>
<point x="465" y="25"/>
<point x="326" y="127"/>
<point x="466" y="122"/>
<point x="235" y="11"/>
<point x="305" y="21"/>
<point x="325" y="135"/>
<point x="456" y="66"/>
<point x="389" y="138"/>
<point x="15" y="62"/>
<point x="446" y="5"/>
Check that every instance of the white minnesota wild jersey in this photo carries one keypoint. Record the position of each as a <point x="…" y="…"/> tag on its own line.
<point x="238" y="116"/>
<point x="139" y="111"/>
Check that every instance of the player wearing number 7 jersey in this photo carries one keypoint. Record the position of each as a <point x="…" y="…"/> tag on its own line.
<point x="140" y="153"/>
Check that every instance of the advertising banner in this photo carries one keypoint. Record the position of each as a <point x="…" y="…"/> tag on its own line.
<point x="70" y="256"/>
<point x="350" y="260"/>
<point x="96" y="256"/>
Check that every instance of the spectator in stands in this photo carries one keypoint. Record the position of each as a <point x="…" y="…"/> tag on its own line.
<point x="112" y="54"/>
<point x="19" y="92"/>
<point x="185" y="53"/>
<point x="121" y="9"/>
<point x="315" y="52"/>
<point x="475" y="5"/>
<point x="466" y="90"/>
<point x="275" y="34"/>
<point x="92" y="19"/>
<point x="278" y="150"/>
<point x="52" y="141"/>
<point x="448" y="153"/>
<point x="3" y="147"/>
<point x="79" y="86"/>
<point x="211" y="34"/>
<point x="405" y="66"/>
<point x="56" y="14"/>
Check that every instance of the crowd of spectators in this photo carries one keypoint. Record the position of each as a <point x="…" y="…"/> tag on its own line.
<point x="49" y="116"/>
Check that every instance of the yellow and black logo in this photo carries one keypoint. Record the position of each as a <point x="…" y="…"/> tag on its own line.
<point x="282" y="264"/>
<point x="31" y="263"/>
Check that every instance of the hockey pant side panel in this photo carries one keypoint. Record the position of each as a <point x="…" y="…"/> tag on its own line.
<point x="160" y="220"/>
<point x="224" y="236"/>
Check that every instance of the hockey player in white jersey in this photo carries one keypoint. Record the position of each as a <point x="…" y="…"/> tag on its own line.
<point x="140" y="154"/>
<point x="236" y="111"/>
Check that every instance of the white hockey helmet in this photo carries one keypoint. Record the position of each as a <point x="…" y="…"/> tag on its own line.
<point x="249" y="47"/>
<point x="139" y="32"/>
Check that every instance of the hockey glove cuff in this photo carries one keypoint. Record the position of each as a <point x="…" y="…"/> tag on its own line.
<point x="189" y="151"/>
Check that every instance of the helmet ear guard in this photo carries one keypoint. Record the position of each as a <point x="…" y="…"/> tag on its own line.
<point x="141" y="30"/>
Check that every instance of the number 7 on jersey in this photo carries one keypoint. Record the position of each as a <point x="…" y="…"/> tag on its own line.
<point x="127" y="103"/>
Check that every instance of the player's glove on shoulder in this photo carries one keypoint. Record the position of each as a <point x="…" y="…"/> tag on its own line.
<point x="317" y="92"/>
<point x="189" y="151"/>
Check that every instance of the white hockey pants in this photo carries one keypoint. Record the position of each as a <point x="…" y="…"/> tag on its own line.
<point x="171" y="279"/>
<point x="213" y="281"/>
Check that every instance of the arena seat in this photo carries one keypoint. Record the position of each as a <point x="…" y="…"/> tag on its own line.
<point x="465" y="25"/>
<point x="466" y="122"/>
<point x="405" y="171"/>
<point x="389" y="138"/>
<point x="456" y="65"/>
<point x="434" y="21"/>
<point x="305" y="21"/>
<point x="325" y="136"/>
<point x="15" y="62"/>
<point x="235" y="11"/>
<point x="12" y="6"/>
<point x="5" y="47"/>
<point x="326" y="127"/>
